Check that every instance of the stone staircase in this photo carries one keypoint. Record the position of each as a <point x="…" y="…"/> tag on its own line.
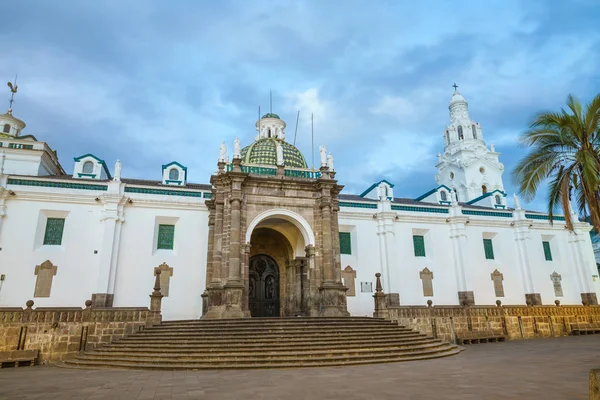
<point x="264" y="343"/>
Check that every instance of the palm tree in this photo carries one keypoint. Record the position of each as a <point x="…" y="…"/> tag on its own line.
<point x="565" y="148"/>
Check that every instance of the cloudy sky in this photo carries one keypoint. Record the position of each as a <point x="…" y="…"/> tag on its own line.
<point x="149" y="82"/>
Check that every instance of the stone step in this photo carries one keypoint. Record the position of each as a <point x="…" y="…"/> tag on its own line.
<point x="235" y="349"/>
<point x="256" y="332"/>
<point x="277" y="320"/>
<point x="265" y="345"/>
<point x="262" y="338"/>
<point x="424" y="355"/>
<point x="271" y="327"/>
<point x="270" y="354"/>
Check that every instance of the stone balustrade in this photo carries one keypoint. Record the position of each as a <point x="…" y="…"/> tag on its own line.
<point x="512" y="321"/>
<point x="59" y="332"/>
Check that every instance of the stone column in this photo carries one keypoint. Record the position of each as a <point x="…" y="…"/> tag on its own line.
<point x="234" y="287"/>
<point x="245" y="277"/>
<point x="209" y="254"/>
<point x="215" y="286"/>
<point x="311" y="293"/>
<point x="335" y="234"/>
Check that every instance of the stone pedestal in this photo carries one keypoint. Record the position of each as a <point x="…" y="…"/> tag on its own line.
<point x="333" y="300"/>
<point x="100" y="300"/>
<point x="233" y="290"/>
<point x="215" y="302"/>
<point x="533" y="299"/>
<point x="466" y="298"/>
<point x="589" y="299"/>
<point x="380" y="298"/>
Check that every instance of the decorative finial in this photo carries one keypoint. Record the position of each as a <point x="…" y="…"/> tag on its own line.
<point x="455" y="86"/>
<point x="13" y="89"/>
<point x="118" y="167"/>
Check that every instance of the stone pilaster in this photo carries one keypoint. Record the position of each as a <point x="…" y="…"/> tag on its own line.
<point x="214" y="289"/>
<point x="332" y="291"/>
<point x="234" y="288"/>
<point x="112" y="220"/>
<point x="458" y="239"/>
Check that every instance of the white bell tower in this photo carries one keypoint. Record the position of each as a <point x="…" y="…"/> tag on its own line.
<point x="467" y="165"/>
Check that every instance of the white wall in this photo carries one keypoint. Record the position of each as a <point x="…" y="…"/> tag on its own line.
<point x="21" y="241"/>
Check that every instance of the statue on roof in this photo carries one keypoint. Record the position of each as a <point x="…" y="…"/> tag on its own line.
<point x="223" y="153"/>
<point x="279" y="154"/>
<point x="517" y="204"/>
<point x="118" y="167"/>
<point x="330" y="162"/>
<point x="323" y="154"/>
<point x="236" y="148"/>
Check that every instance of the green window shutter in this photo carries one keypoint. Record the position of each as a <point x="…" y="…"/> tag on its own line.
<point x="547" y="251"/>
<point x="419" y="244"/>
<point x="488" y="248"/>
<point x="54" y="231"/>
<point x="345" y="243"/>
<point x="166" y="235"/>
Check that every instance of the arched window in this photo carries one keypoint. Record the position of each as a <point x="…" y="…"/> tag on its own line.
<point x="460" y="133"/>
<point x="269" y="132"/>
<point x="498" y="199"/>
<point x="6" y="128"/>
<point x="443" y="195"/>
<point x="474" y="132"/>
<point x="174" y="174"/>
<point x="483" y="189"/>
<point x="447" y="137"/>
<point x="88" y="167"/>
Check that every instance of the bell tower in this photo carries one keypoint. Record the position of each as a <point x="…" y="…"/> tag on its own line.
<point x="467" y="165"/>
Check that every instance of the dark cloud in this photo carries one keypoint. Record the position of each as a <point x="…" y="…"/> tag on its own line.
<point x="150" y="81"/>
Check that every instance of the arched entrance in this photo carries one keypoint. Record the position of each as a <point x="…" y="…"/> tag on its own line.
<point x="263" y="286"/>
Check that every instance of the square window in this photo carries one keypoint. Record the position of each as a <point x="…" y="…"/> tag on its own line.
<point x="166" y="236"/>
<point x="345" y="243"/>
<point x="419" y="245"/>
<point x="54" y="231"/>
<point x="488" y="249"/>
<point x="547" y="251"/>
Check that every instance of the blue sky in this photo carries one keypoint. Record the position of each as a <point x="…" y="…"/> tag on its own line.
<point x="148" y="82"/>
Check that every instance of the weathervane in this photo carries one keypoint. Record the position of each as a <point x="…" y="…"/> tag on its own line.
<point x="13" y="89"/>
<point x="455" y="86"/>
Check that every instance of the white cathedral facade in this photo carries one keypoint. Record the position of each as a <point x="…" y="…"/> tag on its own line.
<point x="94" y="234"/>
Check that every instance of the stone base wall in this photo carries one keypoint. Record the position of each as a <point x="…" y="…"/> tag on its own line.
<point x="61" y="332"/>
<point x="514" y="322"/>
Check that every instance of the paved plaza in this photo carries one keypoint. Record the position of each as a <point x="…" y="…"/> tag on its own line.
<point x="554" y="368"/>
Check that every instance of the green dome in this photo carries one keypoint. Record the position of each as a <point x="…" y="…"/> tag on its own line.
<point x="270" y="115"/>
<point x="264" y="152"/>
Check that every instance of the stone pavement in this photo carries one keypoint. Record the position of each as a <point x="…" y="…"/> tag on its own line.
<point x="554" y="368"/>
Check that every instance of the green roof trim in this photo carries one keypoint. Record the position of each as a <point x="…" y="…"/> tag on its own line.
<point x="373" y="186"/>
<point x="483" y="196"/>
<point x="77" y="159"/>
<point x="421" y="197"/>
<point x="165" y="166"/>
